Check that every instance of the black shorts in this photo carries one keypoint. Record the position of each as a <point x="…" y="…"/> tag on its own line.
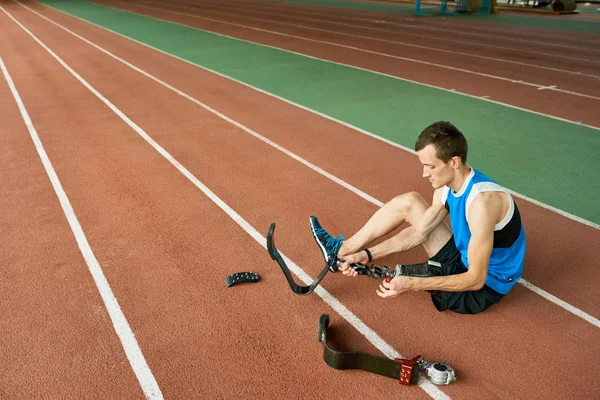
<point x="471" y="302"/>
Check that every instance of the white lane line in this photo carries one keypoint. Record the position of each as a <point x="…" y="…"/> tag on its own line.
<point x="551" y="87"/>
<point x="120" y="324"/>
<point x="354" y="26"/>
<point x="315" y="168"/>
<point x="365" y="132"/>
<point x="378" y="53"/>
<point x="375" y="339"/>
<point x="561" y="303"/>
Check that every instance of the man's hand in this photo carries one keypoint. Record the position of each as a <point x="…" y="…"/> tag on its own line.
<point x="396" y="286"/>
<point x="360" y="257"/>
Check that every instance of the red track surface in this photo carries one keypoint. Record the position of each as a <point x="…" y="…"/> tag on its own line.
<point x="166" y="248"/>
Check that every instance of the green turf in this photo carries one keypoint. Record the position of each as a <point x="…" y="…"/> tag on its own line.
<point x="595" y="9"/>
<point x="549" y="160"/>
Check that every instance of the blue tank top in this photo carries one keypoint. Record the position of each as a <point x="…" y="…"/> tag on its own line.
<point x="506" y="262"/>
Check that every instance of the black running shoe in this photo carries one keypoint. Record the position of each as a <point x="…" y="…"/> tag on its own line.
<point x="328" y="244"/>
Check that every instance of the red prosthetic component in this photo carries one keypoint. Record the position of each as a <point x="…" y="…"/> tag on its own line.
<point x="407" y="369"/>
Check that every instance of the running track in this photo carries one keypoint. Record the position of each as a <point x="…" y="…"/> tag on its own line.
<point x="172" y="198"/>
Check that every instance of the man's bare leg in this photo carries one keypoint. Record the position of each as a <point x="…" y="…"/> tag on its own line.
<point x="408" y="207"/>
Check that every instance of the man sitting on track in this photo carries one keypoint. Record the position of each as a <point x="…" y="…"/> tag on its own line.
<point x="481" y="255"/>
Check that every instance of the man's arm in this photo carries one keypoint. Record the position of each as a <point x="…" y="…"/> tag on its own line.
<point x="484" y="213"/>
<point x="414" y="235"/>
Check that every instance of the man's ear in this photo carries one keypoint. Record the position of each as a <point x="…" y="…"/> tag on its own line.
<point x="456" y="162"/>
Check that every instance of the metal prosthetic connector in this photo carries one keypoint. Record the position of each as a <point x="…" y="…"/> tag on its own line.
<point x="426" y="269"/>
<point x="372" y="271"/>
<point x="440" y="374"/>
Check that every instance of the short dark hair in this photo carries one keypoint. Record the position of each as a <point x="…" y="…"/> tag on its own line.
<point x="447" y="139"/>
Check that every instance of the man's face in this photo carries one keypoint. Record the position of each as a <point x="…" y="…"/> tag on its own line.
<point x="438" y="172"/>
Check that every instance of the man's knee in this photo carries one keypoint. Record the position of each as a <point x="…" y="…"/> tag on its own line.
<point x="410" y="206"/>
<point x="408" y="200"/>
<point x="416" y="198"/>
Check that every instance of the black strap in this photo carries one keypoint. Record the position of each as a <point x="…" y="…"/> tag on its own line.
<point x="368" y="255"/>
<point x="407" y="371"/>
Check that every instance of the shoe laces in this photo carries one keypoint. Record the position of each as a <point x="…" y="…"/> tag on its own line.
<point x="330" y="241"/>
